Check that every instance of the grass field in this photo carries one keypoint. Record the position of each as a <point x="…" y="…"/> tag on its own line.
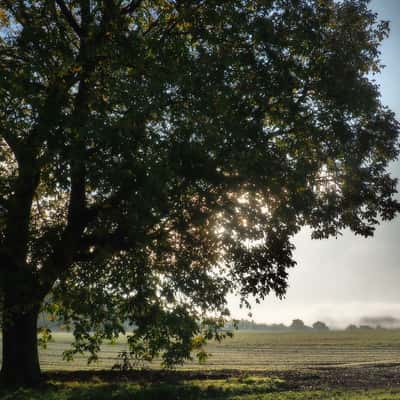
<point x="251" y="366"/>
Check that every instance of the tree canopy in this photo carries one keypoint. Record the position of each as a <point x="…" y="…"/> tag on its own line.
<point x="156" y="155"/>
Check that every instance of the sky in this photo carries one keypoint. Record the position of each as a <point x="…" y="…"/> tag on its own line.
<point x="342" y="280"/>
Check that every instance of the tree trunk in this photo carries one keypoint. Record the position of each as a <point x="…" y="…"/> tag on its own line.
<point x="20" y="363"/>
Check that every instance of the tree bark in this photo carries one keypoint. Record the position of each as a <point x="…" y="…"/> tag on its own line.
<point x="20" y="363"/>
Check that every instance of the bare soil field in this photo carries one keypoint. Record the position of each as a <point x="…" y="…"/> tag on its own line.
<point x="257" y="350"/>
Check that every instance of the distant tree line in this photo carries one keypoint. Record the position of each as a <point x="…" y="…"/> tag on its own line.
<point x="296" y="325"/>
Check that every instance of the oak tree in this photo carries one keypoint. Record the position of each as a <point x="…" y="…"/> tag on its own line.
<point x="156" y="155"/>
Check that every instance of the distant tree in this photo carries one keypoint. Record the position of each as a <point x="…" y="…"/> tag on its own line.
<point x="156" y="155"/>
<point x="351" y="327"/>
<point x="320" y="326"/>
<point x="298" y="325"/>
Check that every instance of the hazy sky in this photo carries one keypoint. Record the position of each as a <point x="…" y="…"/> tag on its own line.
<point x="342" y="280"/>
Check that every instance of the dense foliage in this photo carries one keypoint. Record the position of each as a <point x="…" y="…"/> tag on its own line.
<point x="156" y="155"/>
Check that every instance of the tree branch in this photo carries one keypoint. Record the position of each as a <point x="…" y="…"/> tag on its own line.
<point x="85" y="16"/>
<point x="65" y="248"/>
<point x="12" y="142"/>
<point x="69" y="17"/>
<point x="131" y="7"/>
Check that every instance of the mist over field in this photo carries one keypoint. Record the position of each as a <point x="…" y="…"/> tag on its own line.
<point x="336" y="316"/>
<point x="339" y="281"/>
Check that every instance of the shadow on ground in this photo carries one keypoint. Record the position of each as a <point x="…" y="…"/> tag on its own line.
<point x="362" y="382"/>
<point x="196" y="390"/>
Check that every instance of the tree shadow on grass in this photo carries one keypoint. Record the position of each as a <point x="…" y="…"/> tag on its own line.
<point x="201" y="390"/>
